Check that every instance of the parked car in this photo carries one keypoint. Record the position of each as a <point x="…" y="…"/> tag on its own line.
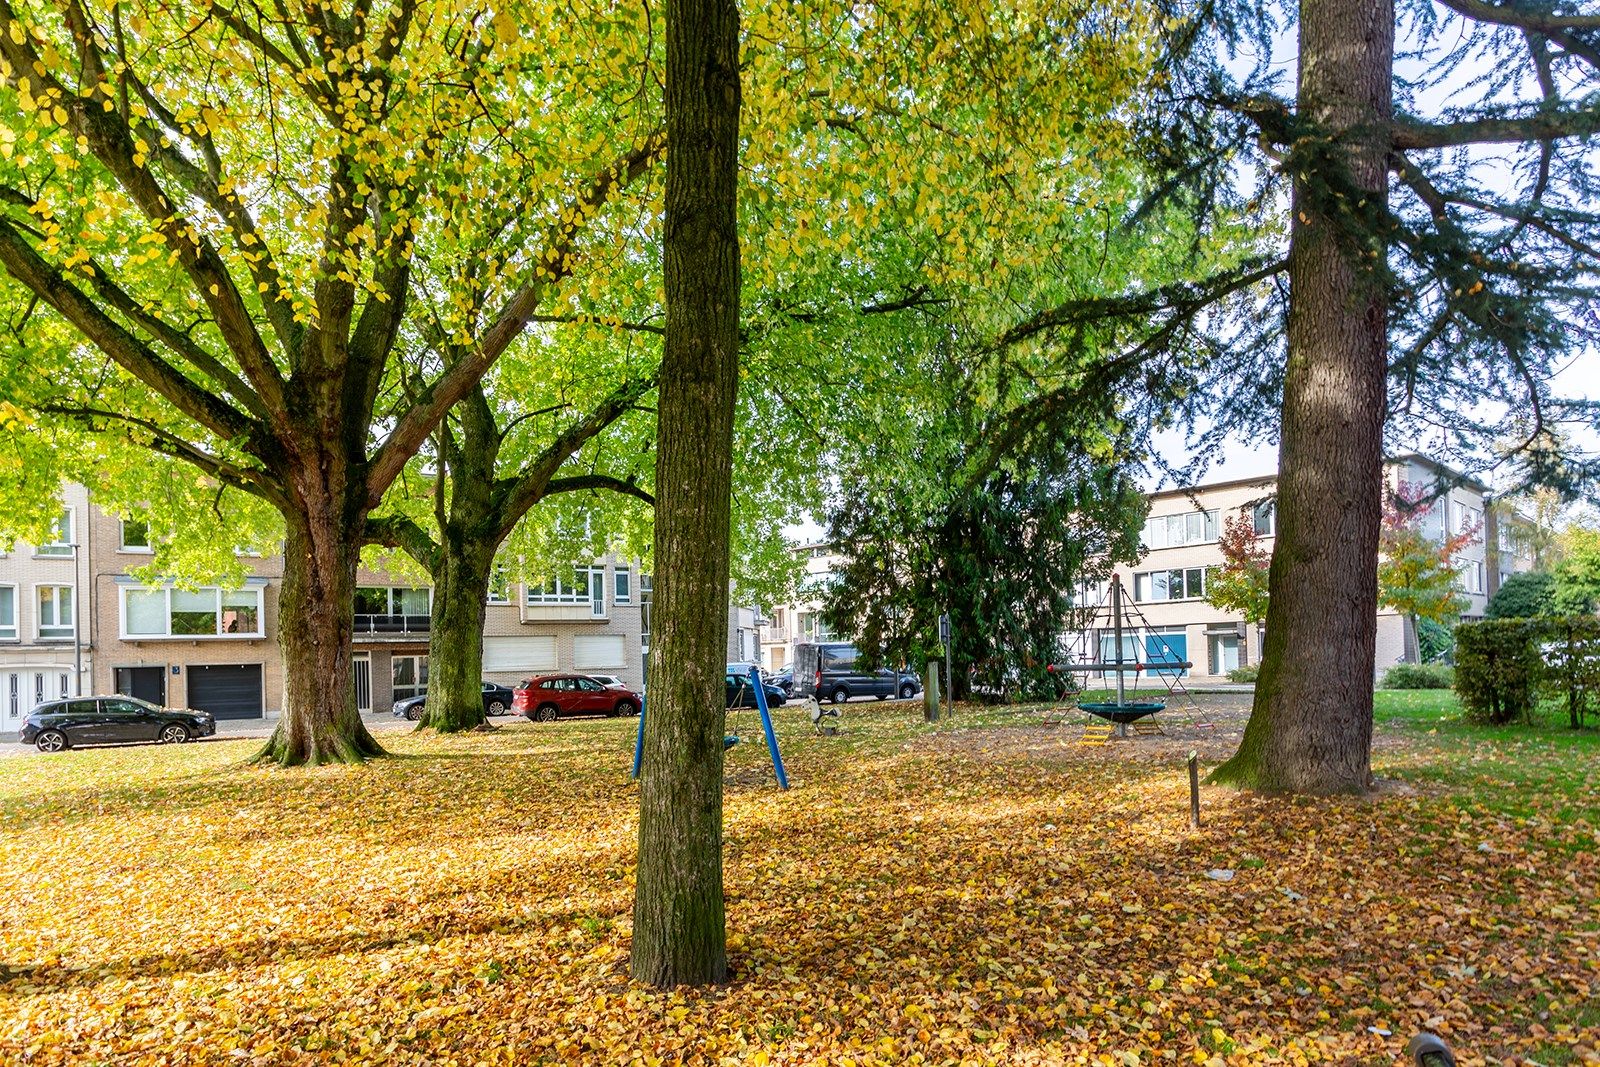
<point x="610" y="681"/>
<point x="830" y="672"/>
<point x="741" y="694"/>
<point x="551" y="696"/>
<point x="783" y="679"/>
<point x="59" y="724"/>
<point x="497" y="700"/>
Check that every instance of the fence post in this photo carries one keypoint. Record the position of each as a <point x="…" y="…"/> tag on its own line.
<point x="930" y="692"/>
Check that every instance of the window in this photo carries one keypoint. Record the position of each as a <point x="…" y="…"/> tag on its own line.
<point x="410" y="676"/>
<point x="813" y="627"/>
<point x="587" y="586"/>
<point x="623" y="585"/>
<point x="1263" y="518"/>
<point x="60" y="543"/>
<point x="135" y="535"/>
<point x="209" y="612"/>
<point x="646" y="588"/>
<point x="1470" y="576"/>
<point x="383" y="600"/>
<point x="1170" y="531"/>
<point x="500" y="585"/>
<point x="8" y="612"/>
<point x="55" y="612"/>
<point x="1185" y="584"/>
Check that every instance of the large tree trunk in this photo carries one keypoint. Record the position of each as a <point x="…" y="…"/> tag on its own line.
<point x="455" y="644"/>
<point x="320" y="722"/>
<point x="1311" y="727"/>
<point x="678" y="931"/>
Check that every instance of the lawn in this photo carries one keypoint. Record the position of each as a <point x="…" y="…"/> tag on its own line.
<point x="988" y="892"/>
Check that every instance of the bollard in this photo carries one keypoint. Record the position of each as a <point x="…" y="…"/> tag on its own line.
<point x="1194" y="791"/>
<point x="930" y="692"/>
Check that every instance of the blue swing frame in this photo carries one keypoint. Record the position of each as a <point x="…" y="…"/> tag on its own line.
<point x="731" y="740"/>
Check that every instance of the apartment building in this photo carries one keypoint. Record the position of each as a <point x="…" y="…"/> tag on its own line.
<point x="44" y="652"/>
<point x="216" y="648"/>
<point x="788" y="624"/>
<point x="1167" y="587"/>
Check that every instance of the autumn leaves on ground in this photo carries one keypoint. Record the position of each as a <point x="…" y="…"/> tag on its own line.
<point x="991" y="893"/>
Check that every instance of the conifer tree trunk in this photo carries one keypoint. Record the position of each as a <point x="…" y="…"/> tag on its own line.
<point x="1311" y="727"/>
<point x="678" y="924"/>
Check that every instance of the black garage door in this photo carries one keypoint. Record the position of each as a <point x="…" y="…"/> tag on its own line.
<point x="227" y="692"/>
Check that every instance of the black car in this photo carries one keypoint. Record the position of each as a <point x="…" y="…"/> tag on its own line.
<point x="740" y="694"/>
<point x="111" y="720"/>
<point x="496" y="701"/>
<point x="783" y="679"/>
<point x="831" y="672"/>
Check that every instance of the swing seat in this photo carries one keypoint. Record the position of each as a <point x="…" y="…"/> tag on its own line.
<point x="1125" y="713"/>
<point x="729" y="740"/>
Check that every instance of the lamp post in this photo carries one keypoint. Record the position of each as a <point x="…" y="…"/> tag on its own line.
<point x="77" y="613"/>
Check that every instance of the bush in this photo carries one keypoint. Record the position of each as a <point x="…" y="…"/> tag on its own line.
<point x="1436" y="643"/>
<point x="1244" y="674"/>
<point x="1419" y="676"/>
<point x="1528" y="595"/>
<point x="1505" y="666"/>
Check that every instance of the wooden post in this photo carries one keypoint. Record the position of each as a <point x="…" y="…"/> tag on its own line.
<point x="930" y="692"/>
<point x="1194" y="791"/>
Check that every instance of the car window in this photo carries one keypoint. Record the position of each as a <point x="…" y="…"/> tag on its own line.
<point x="54" y="708"/>
<point x="120" y="707"/>
<point x="589" y="685"/>
<point x="838" y="659"/>
<point x="80" y="707"/>
<point x="548" y="684"/>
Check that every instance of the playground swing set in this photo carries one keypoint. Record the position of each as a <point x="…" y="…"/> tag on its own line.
<point x="732" y="737"/>
<point x="1114" y="712"/>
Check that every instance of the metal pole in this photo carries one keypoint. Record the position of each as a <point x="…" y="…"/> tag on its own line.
<point x="949" y="690"/>
<point x="638" y="744"/>
<point x="1116" y="622"/>
<point x="77" y="613"/>
<point x="766" y="728"/>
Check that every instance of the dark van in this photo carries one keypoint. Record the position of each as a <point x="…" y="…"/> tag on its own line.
<point x="830" y="672"/>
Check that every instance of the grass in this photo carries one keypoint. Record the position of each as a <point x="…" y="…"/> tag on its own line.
<point x="983" y="891"/>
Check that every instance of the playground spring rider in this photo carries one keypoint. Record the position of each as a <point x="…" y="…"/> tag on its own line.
<point x="733" y="738"/>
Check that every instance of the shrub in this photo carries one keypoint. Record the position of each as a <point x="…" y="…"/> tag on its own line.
<point x="1419" y="676"/>
<point x="1246" y="673"/>
<point x="1503" y="667"/>
<point x="1436" y="642"/>
<point x="1528" y="595"/>
<point x="1497" y="668"/>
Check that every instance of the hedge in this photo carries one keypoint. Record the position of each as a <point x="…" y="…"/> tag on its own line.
<point x="1419" y="676"/>
<point x="1504" y="667"/>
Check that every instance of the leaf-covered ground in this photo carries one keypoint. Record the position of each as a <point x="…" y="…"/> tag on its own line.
<point x="988" y="894"/>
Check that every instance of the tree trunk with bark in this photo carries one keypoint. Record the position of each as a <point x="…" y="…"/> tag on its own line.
<point x="455" y="641"/>
<point x="678" y="920"/>
<point x="320" y="722"/>
<point x="1311" y="727"/>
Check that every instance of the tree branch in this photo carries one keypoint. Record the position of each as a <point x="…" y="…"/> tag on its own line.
<point x="1544" y="126"/>
<point x="598" y="481"/>
<point x="554" y="263"/>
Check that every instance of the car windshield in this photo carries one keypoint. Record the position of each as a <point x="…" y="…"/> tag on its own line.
<point x="143" y="704"/>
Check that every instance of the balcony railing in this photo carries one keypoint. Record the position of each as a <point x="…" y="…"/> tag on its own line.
<point x="778" y="634"/>
<point x="392" y="624"/>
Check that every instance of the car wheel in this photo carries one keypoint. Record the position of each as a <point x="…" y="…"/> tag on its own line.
<point x="907" y="691"/>
<point x="50" y="741"/>
<point x="414" y="712"/>
<point x="173" y="734"/>
<point x="497" y="707"/>
<point x="546" y="713"/>
<point x="840" y="695"/>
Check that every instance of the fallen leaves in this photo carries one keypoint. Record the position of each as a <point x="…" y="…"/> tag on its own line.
<point x="987" y="896"/>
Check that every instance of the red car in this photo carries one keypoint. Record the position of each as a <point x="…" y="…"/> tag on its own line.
<point x="550" y="696"/>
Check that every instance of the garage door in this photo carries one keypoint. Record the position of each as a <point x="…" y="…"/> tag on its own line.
<point x="529" y="654"/>
<point x="597" y="650"/>
<point x="232" y="692"/>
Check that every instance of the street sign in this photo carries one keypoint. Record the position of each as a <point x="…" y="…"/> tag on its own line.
<point x="944" y="629"/>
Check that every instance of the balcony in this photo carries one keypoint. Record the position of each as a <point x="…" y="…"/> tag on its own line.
<point x="778" y="635"/>
<point x="392" y="625"/>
